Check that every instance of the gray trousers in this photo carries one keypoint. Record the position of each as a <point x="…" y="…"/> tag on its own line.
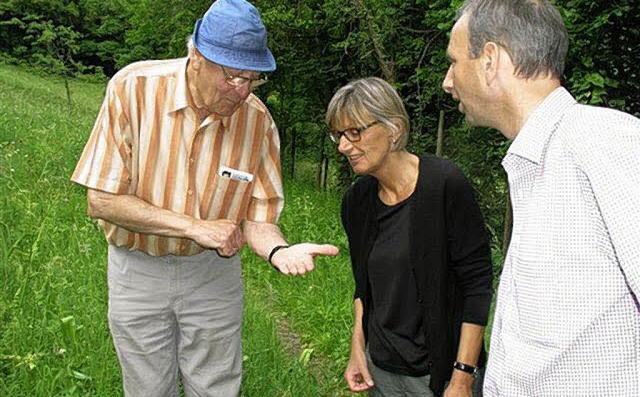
<point x="173" y="317"/>
<point x="388" y="384"/>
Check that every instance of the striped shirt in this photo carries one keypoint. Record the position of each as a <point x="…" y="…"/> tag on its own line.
<point x="147" y="141"/>
<point x="567" y="319"/>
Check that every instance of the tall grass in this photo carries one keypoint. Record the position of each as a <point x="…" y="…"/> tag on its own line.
<point x="53" y="335"/>
<point x="54" y="339"/>
<point x="317" y="306"/>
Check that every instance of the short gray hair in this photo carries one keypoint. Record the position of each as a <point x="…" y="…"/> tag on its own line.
<point x="190" y="45"/>
<point x="370" y="98"/>
<point x="531" y="31"/>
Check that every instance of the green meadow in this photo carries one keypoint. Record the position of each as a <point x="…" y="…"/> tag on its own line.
<point x="54" y="337"/>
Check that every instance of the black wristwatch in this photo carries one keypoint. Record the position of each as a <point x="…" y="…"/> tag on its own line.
<point x="470" y="369"/>
<point x="274" y="250"/>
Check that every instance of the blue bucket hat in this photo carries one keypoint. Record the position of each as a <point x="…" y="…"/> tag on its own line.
<point x="232" y="34"/>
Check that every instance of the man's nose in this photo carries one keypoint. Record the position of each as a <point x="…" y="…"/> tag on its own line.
<point x="447" y="83"/>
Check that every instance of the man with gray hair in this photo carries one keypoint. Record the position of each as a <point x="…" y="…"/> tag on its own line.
<point x="567" y="320"/>
<point x="182" y="166"/>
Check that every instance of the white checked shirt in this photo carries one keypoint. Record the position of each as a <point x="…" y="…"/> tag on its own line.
<point x="567" y="320"/>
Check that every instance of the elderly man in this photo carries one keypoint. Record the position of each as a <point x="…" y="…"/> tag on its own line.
<point x="181" y="167"/>
<point x="567" y="321"/>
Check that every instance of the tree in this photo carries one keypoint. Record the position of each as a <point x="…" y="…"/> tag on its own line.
<point x="602" y="66"/>
<point x="55" y="49"/>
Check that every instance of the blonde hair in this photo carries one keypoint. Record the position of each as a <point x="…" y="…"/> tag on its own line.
<point x="370" y="98"/>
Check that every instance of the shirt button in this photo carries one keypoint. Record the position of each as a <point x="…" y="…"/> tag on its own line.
<point x="190" y="192"/>
<point x="192" y="160"/>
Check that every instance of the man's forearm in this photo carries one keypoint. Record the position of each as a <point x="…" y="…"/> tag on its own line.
<point x="262" y="237"/>
<point x="136" y="215"/>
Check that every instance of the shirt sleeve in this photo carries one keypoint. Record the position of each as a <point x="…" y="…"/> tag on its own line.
<point x="105" y="163"/>
<point x="267" y="198"/>
<point x="611" y="162"/>
<point x="469" y="248"/>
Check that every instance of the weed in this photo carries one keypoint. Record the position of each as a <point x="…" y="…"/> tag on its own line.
<point x="54" y="337"/>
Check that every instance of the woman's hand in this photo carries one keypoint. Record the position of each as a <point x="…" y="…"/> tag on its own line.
<point x="357" y="373"/>
<point x="460" y="385"/>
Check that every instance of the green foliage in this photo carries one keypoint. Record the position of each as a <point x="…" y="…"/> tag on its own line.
<point x="54" y="337"/>
<point x="322" y="44"/>
<point x="602" y="67"/>
<point x="158" y="29"/>
<point x="319" y="46"/>
<point x="54" y="46"/>
<point x="90" y="30"/>
<point x="317" y="306"/>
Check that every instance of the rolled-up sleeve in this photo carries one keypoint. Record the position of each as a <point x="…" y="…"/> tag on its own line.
<point x="105" y="163"/>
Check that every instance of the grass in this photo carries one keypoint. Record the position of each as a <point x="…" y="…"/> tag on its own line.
<point x="54" y="338"/>
<point x="318" y="306"/>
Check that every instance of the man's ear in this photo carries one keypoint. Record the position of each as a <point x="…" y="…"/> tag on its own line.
<point x="490" y="60"/>
<point x="197" y="59"/>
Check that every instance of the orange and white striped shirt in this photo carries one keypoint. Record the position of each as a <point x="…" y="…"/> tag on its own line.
<point x="147" y="142"/>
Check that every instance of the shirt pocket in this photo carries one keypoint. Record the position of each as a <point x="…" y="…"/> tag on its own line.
<point x="231" y="198"/>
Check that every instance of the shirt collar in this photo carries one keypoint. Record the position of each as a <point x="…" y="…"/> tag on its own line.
<point x="532" y="139"/>
<point x="181" y="96"/>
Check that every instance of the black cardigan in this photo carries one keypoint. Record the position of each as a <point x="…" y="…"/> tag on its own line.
<point x="450" y="256"/>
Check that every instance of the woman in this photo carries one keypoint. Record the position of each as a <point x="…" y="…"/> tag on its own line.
<point x="419" y="252"/>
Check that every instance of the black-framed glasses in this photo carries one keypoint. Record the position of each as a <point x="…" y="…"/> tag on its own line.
<point x="352" y="134"/>
<point x="239" y="81"/>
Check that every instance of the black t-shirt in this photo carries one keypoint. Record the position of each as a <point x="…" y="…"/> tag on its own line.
<point x="396" y="333"/>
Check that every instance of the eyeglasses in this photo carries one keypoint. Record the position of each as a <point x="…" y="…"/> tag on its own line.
<point x="239" y="81"/>
<point x="352" y="134"/>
